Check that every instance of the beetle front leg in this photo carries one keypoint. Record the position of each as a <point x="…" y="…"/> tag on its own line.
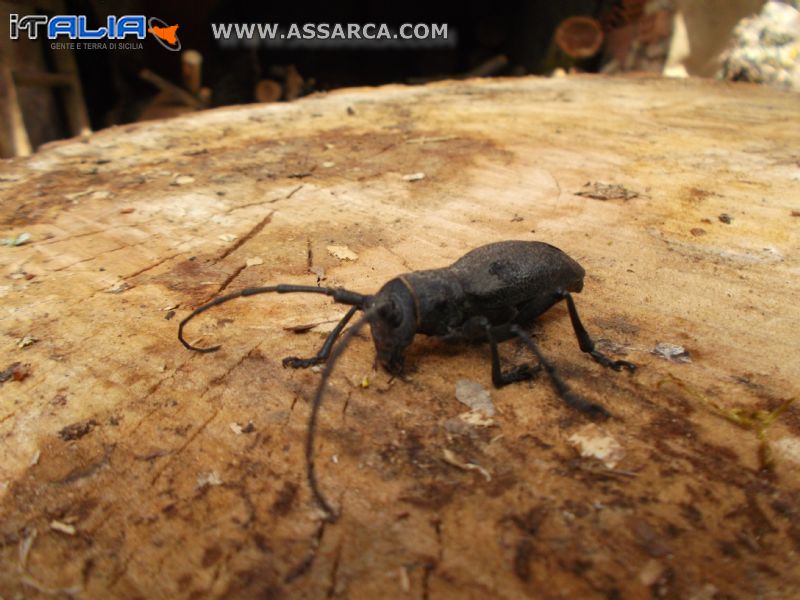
<point x="325" y="351"/>
<point x="585" y="341"/>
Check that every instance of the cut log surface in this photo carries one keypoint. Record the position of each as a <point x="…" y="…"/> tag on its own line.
<point x="133" y="468"/>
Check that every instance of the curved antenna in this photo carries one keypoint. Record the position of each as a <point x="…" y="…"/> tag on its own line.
<point x="316" y="403"/>
<point x="339" y="295"/>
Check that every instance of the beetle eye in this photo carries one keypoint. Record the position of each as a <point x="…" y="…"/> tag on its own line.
<point x="389" y="313"/>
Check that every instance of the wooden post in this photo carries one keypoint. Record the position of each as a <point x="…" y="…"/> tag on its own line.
<point x="77" y="116"/>
<point x="192" y="70"/>
<point x="13" y="135"/>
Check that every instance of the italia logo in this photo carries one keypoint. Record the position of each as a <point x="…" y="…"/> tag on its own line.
<point x="166" y="35"/>
<point x="74" y="27"/>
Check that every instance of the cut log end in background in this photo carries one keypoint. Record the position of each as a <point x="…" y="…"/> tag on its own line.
<point x="130" y="467"/>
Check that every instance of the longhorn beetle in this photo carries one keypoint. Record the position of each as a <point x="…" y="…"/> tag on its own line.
<point x="489" y="294"/>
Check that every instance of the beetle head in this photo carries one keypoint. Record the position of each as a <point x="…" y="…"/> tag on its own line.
<point x="394" y="325"/>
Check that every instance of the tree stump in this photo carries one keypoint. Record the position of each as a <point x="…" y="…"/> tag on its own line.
<point x="132" y="468"/>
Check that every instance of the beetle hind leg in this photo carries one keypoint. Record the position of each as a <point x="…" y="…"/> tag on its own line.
<point x="593" y="410"/>
<point x="587" y="344"/>
<point x="324" y="352"/>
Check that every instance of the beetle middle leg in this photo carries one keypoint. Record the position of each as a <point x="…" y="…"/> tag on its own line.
<point x="585" y="341"/>
<point x="324" y="352"/>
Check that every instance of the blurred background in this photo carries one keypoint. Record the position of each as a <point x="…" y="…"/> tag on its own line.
<point x="48" y="94"/>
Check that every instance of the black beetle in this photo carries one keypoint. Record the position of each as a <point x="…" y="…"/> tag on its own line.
<point x="489" y="294"/>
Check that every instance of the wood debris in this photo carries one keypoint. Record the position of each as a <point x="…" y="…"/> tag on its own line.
<point x="63" y="527"/>
<point x="25" y="341"/>
<point x="77" y="430"/>
<point x="414" y="176"/>
<point x="451" y="459"/>
<point x="474" y="395"/>
<point x="477" y="419"/>
<point x="239" y="429"/>
<point x="15" y="372"/>
<point x="118" y="288"/>
<point x="606" y="191"/>
<point x="342" y="252"/>
<point x="672" y="352"/>
<point x="210" y="479"/>
<point x="592" y="442"/>
<point x="254" y="261"/>
<point x="22" y="238"/>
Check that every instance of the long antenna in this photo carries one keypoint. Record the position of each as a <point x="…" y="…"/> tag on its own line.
<point x="316" y="404"/>
<point x="339" y="295"/>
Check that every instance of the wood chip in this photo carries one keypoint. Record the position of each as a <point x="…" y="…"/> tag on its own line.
<point x="414" y="176"/>
<point x="254" y="261"/>
<point x="184" y="180"/>
<point x="342" y="252"/>
<point x="672" y="352"/>
<point x="25" y="548"/>
<point x="22" y="238"/>
<point x="63" y="527"/>
<point x="211" y="479"/>
<point x="592" y="442"/>
<point x="15" y="372"/>
<point x="117" y="288"/>
<point x="228" y="237"/>
<point x="405" y="581"/>
<point x="606" y="191"/>
<point x="451" y="459"/>
<point x="303" y="327"/>
<point x="651" y="572"/>
<point x="474" y="395"/>
<point x="26" y="341"/>
<point x="477" y="419"/>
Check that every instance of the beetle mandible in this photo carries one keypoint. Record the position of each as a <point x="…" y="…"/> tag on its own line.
<point x="490" y="294"/>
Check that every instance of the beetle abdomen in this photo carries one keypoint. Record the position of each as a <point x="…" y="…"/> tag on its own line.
<point x="513" y="273"/>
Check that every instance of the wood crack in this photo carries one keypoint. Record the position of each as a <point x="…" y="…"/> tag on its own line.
<point x="228" y="280"/>
<point x="185" y="445"/>
<point x="304" y="565"/>
<point x="83" y="260"/>
<point x="247" y="237"/>
<point x="261" y="202"/>
<point x="151" y="267"/>
<point x="333" y="580"/>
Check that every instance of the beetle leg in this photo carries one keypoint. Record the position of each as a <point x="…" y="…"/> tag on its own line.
<point x="585" y="341"/>
<point x="519" y="373"/>
<point x="325" y="351"/>
<point x="567" y="395"/>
